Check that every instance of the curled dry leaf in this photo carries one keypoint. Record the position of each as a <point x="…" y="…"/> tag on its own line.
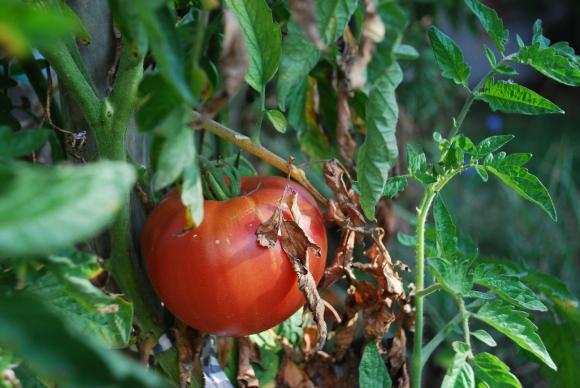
<point x="267" y="233"/>
<point x="345" y="143"/>
<point x="184" y="353"/>
<point x="292" y="375"/>
<point x="296" y="243"/>
<point x="247" y="353"/>
<point x="373" y="31"/>
<point x="304" y="14"/>
<point x="397" y="356"/>
<point x="344" y="335"/>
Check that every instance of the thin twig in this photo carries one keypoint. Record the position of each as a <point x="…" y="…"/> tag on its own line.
<point x="245" y="143"/>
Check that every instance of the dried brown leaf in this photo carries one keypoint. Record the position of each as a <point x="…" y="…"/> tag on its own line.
<point x="296" y="243"/>
<point x="373" y="31"/>
<point x="344" y="336"/>
<point x="292" y="375"/>
<point x="377" y="319"/>
<point x="247" y="353"/>
<point x="184" y="353"/>
<point x="345" y="143"/>
<point x="267" y="233"/>
<point x="292" y="203"/>
<point x="386" y="218"/>
<point x="342" y="263"/>
<point x="304" y="14"/>
<point x="397" y="356"/>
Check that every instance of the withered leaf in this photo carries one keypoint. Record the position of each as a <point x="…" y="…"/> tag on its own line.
<point x="292" y="203"/>
<point x="342" y="263"/>
<point x="344" y="336"/>
<point x="293" y="375"/>
<point x="345" y="142"/>
<point x="304" y="14"/>
<point x="185" y="354"/>
<point x="247" y="353"/>
<point x="373" y="31"/>
<point x="267" y="233"/>
<point x="397" y="356"/>
<point x="296" y="243"/>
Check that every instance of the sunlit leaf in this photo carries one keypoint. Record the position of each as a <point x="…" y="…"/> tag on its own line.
<point x="484" y="337"/>
<point x="449" y="57"/>
<point x="492" y="371"/>
<point x="277" y="119"/>
<point x="492" y="24"/>
<point x="77" y="202"/>
<point x="459" y="374"/>
<point x="516" y="325"/>
<point x="176" y="153"/>
<point x="395" y="184"/>
<point x="333" y="16"/>
<point x="509" y="97"/>
<point x="262" y="37"/>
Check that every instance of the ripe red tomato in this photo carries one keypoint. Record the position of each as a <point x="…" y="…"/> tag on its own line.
<point x="217" y="278"/>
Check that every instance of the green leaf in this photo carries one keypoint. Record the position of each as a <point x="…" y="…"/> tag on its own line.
<point x="418" y="167"/>
<point x="506" y="70"/>
<point x="395" y="184"/>
<point x="379" y="151"/>
<point x="21" y="143"/>
<point x="25" y="26"/>
<point x="482" y="172"/>
<point x="509" y="288"/>
<point x="192" y="192"/>
<point x="299" y="56"/>
<point x="130" y="24"/>
<point x="509" y="97"/>
<point x="372" y="370"/>
<point x="492" y="144"/>
<point x="332" y="17"/>
<point x="456" y="277"/>
<point x="445" y="228"/>
<point x="516" y="325"/>
<point x="262" y="38"/>
<point x="459" y="374"/>
<point x="60" y="354"/>
<point x="157" y="102"/>
<point x="528" y="186"/>
<point x="552" y="63"/>
<point x="484" y="337"/>
<point x="176" y="153"/>
<point x="449" y="57"/>
<point x="277" y="119"/>
<point x="492" y="371"/>
<point x="159" y="23"/>
<point x="490" y="56"/>
<point x="492" y="24"/>
<point x="405" y="52"/>
<point x="558" y="61"/>
<point x="77" y="202"/>
<point x="83" y="305"/>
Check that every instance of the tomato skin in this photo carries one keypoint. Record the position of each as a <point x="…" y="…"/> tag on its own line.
<point x="216" y="278"/>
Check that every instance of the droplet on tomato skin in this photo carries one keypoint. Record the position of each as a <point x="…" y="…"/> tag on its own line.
<point x="194" y="236"/>
<point x="217" y="242"/>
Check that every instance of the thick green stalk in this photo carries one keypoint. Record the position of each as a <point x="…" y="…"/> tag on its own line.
<point x="417" y="365"/>
<point x="80" y="87"/>
<point x="464" y="320"/>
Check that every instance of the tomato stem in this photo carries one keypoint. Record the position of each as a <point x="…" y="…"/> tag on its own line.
<point x="245" y="143"/>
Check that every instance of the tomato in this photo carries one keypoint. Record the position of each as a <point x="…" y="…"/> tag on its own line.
<point x="216" y="277"/>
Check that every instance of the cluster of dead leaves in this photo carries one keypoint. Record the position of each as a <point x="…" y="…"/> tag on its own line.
<point x="295" y="243"/>
<point x="374" y="305"/>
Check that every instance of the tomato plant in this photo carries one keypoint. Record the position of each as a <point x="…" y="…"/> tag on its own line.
<point x="216" y="277"/>
<point x="129" y="123"/>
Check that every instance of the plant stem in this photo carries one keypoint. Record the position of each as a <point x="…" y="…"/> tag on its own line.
<point x="417" y="365"/>
<point x="464" y="320"/>
<point x="80" y="87"/>
<point x="248" y="145"/>
<point x="428" y="290"/>
<point x="430" y="347"/>
<point x="256" y="134"/>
